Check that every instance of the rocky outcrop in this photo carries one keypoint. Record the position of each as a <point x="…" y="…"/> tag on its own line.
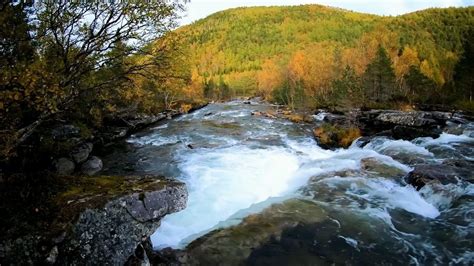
<point x="439" y="174"/>
<point x="402" y="125"/>
<point x="98" y="221"/>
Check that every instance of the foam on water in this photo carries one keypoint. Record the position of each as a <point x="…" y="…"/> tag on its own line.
<point x="443" y="139"/>
<point x="384" y="193"/>
<point x="386" y="146"/>
<point x="222" y="182"/>
<point x="154" y="140"/>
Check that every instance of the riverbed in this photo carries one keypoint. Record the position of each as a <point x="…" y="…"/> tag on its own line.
<point x="237" y="166"/>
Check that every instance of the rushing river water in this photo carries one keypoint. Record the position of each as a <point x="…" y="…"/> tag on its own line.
<point x="236" y="165"/>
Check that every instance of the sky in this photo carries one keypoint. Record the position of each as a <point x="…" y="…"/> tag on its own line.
<point x="198" y="9"/>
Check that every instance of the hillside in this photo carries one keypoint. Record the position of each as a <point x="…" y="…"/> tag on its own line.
<point x="256" y="50"/>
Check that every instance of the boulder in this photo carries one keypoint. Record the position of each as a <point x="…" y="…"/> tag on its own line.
<point x="413" y="119"/>
<point x="410" y="133"/>
<point x="64" y="166"/>
<point x="402" y="125"/>
<point x="380" y="169"/>
<point x="92" y="166"/>
<point x="440" y="174"/>
<point x="334" y="136"/>
<point x="95" y="221"/>
<point x="81" y="152"/>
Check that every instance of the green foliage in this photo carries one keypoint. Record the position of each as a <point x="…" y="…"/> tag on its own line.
<point x="420" y="88"/>
<point x="379" y="78"/>
<point x="347" y="90"/>
<point x="237" y="44"/>
<point x="464" y="72"/>
<point x="69" y="58"/>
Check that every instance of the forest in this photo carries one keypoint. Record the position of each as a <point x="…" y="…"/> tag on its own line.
<point x="316" y="56"/>
<point x="307" y="56"/>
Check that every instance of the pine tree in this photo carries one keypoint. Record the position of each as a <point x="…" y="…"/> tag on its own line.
<point x="464" y="71"/>
<point x="379" y="78"/>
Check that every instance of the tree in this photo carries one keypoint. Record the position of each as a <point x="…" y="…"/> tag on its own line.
<point x="464" y="71"/>
<point x="379" y="78"/>
<point x="419" y="87"/>
<point x="347" y="90"/>
<point x="73" y="40"/>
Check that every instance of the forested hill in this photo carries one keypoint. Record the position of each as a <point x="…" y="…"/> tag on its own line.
<point x="265" y="49"/>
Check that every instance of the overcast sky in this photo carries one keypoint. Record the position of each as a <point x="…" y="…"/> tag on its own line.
<point x="198" y="9"/>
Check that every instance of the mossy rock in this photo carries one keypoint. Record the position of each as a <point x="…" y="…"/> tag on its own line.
<point x="235" y="244"/>
<point x="93" y="219"/>
<point x="333" y="136"/>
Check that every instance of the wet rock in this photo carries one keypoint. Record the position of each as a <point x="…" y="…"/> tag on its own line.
<point x="92" y="166"/>
<point x="410" y="133"/>
<point x="443" y="174"/>
<point x="233" y="245"/>
<point x="64" y="166"/>
<point x="81" y="152"/>
<point x="380" y="169"/>
<point x="333" y="136"/>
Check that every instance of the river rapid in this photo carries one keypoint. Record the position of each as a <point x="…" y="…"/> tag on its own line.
<point x="307" y="204"/>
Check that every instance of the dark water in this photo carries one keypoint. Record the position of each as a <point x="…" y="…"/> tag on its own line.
<point x="272" y="196"/>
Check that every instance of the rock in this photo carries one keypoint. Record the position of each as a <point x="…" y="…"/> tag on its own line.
<point x="139" y="257"/>
<point x="380" y="169"/>
<point x="256" y="113"/>
<point x="335" y="119"/>
<point x="442" y="174"/>
<point x="81" y="152"/>
<point x="334" y="136"/>
<point x="92" y="166"/>
<point x="247" y="102"/>
<point x="414" y="119"/>
<point x="64" y="132"/>
<point x="53" y="255"/>
<point x="402" y="125"/>
<point x="410" y="133"/>
<point x="295" y="118"/>
<point x="233" y="245"/>
<point x="103" y="219"/>
<point x="64" y="166"/>
<point x="111" y="234"/>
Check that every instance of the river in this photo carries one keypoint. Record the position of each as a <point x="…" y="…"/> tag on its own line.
<point x="238" y="165"/>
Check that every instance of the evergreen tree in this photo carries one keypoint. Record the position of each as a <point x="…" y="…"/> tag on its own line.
<point x="347" y="91"/>
<point x="464" y="71"/>
<point x="420" y="87"/>
<point x="379" y="78"/>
